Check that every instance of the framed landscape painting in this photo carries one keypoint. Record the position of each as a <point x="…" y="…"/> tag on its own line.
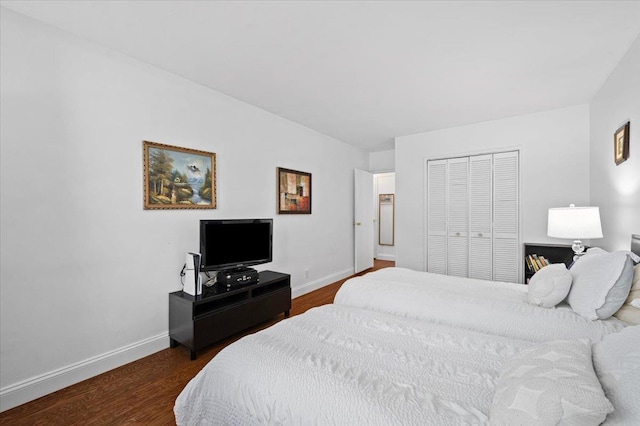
<point x="178" y="178"/>
<point x="294" y="192"/>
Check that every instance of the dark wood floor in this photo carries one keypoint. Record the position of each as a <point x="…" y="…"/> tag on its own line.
<point x="144" y="391"/>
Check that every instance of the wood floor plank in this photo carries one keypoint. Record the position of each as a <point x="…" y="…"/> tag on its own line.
<point x="143" y="391"/>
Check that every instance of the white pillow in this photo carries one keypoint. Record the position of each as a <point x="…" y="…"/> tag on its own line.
<point x="550" y="384"/>
<point x="549" y="286"/>
<point x="601" y="283"/>
<point x="598" y="250"/>
<point x="616" y="360"/>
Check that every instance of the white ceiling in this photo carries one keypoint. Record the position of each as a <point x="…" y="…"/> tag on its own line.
<point x="365" y="72"/>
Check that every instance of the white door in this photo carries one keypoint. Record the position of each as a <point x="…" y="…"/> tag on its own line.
<point x="437" y="216"/>
<point x="480" y="217"/>
<point x="458" y="217"/>
<point x="363" y="220"/>
<point x="506" y="245"/>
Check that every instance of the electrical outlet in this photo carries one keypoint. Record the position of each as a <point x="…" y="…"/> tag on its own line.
<point x="306" y="274"/>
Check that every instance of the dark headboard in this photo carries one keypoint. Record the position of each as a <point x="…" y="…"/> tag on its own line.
<point x="635" y="244"/>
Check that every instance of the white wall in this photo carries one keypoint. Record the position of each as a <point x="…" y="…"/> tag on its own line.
<point x="85" y="270"/>
<point x="616" y="189"/>
<point x="382" y="161"/>
<point x="554" y="162"/>
<point x="383" y="183"/>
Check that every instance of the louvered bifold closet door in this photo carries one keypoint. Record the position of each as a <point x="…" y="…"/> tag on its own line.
<point x="480" y="216"/>
<point x="505" y="217"/>
<point x="437" y="216"/>
<point x="458" y="217"/>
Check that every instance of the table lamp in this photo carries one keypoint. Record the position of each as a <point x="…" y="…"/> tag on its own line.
<point x="574" y="223"/>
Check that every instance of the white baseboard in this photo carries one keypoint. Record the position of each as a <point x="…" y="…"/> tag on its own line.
<point x="44" y="384"/>
<point x="386" y="257"/>
<point x="314" y="285"/>
<point x="27" y="390"/>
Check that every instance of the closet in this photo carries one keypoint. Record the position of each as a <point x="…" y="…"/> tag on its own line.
<point x="473" y="216"/>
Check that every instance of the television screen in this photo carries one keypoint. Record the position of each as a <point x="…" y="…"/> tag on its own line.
<point x="235" y="243"/>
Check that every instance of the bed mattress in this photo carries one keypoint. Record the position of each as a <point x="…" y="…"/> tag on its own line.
<point x="343" y="365"/>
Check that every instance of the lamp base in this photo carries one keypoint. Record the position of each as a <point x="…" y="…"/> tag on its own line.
<point x="578" y="249"/>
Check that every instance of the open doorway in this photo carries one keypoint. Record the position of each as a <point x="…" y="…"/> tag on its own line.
<point x="374" y="219"/>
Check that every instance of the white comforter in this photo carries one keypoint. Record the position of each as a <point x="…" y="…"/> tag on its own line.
<point x="342" y="365"/>
<point x="487" y="306"/>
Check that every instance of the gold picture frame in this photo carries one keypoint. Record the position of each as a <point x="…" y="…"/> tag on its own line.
<point x="621" y="143"/>
<point x="294" y="191"/>
<point x="178" y="178"/>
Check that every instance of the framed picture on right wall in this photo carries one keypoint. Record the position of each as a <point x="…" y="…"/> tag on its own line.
<point x="621" y="143"/>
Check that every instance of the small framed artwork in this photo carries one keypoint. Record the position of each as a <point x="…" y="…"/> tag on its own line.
<point x="178" y="178"/>
<point x="621" y="144"/>
<point x="294" y="192"/>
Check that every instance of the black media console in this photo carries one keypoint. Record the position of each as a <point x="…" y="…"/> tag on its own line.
<point x="198" y="321"/>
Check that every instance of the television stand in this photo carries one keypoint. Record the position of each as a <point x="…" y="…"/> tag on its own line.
<point x="198" y="321"/>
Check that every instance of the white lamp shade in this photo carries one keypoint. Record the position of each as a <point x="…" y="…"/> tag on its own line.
<point x="574" y="223"/>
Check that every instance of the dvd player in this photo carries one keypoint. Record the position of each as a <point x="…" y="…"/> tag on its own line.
<point x="232" y="277"/>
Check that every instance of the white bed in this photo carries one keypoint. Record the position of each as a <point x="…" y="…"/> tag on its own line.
<point x="487" y="306"/>
<point x="343" y="365"/>
<point x="404" y="347"/>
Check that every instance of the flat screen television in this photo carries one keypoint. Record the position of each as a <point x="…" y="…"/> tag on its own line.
<point x="235" y="243"/>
